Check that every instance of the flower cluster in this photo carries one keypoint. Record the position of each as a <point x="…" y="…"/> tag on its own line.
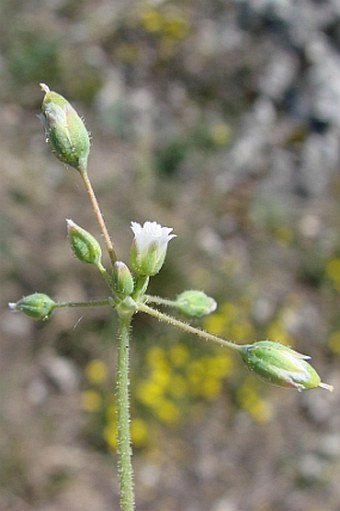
<point x="171" y="376"/>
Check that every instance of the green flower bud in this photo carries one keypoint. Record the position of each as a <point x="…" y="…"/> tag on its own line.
<point x="122" y="279"/>
<point x="281" y="365"/>
<point x="85" y="247"/>
<point x="65" y="131"/>
<point x="195" y="304"/>
<point x="37" y="306"/>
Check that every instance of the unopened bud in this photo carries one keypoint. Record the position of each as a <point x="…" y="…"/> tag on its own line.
<point x="122" y="279"/>
<point x="85" y="247"/>
<point x="65" y="131"/>
<point x="37" y="306"/>
<point x="195" y="304"/>
<point x="281" y="365"/>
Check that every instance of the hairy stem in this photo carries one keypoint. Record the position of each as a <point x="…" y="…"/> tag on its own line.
<point x="99" y="216"/>
<point x="142" y="307"/>
<point x="125" y="472"/>
<point x="91" y="303"/>
<point x="105" y="275"/>
<point x="160" y="301"/>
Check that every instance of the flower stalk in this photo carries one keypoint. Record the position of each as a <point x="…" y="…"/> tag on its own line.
<point x="185" y="327"/>
<point x="99" y="216"/>
<point x="125" y="471"/>
<point x="91" y="303"/>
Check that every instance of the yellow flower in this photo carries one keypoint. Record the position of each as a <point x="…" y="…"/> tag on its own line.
<point x="149" y="393"/>
<point x="155" y="356"/>
<point x="241" y="331"/>
<point x="250" y="400"/>
<point x="276" y="330"/>
<point x="151" y="21"/>
<point x="168" y="412"/>
<point x="91" y="400"/>
<point x="284" y="235"/>
<point x="333" y="271"/>
<point x="220" y="134"/>
<point x="176" y="27"/>
<point x="179" y="354"/>
<point x="139" y="432"/>
<point x="179" y="387"/>
<point x="334" y="342"/>
<point x="96" y="371"/>
<point x="211" y="388"/>
<point x="222" y="365"/>
<point x="111" y="412"/>
<point x="195" y="371"/>
<point x="110" y="436"/>
<point x="215" y="324"/>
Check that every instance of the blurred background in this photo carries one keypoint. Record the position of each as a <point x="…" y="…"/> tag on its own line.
<point x="220" y="119"/>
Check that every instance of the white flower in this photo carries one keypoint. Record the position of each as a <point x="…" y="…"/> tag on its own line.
<point x="151" y="232"/>
<point x="149" y="247"/>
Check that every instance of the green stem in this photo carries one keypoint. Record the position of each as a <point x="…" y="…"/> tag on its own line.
<point x="105" y="275"/>
<point x="125" y="472"/>
<point x="99" y="216"/>
<point x="91" y="303"/>
<point x="160" y="301"/>
<point x="141" y="285"/>
<point x="142" y="307"/>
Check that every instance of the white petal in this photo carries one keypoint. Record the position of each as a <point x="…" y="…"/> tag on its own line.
<point x="136" y="228"/>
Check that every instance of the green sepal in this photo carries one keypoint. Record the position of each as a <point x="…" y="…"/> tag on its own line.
<point x="195" y="304"/>
<point x="85" y="247"/>
<point x="281" y="365"/>
<point x="65" y="131"/>
<point x="150" y="262"/>
<point x="36" y="306"/>
<point x="122" y="279"/>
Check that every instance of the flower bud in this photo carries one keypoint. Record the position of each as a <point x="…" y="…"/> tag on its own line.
<point x="195" y="304"/>
<point x="37" y="306"/>
<point x="149" y="247"/>
<point x="85" y="247"/>
<point x="122" y="279"/>
<point x="65" y="131"/>
<point x="281" y="365"/>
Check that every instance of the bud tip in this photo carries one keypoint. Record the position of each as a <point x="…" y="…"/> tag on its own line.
<point x="45" y="88"/>
<point x="70" y="223"/>
<point x="325" y="386"/>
